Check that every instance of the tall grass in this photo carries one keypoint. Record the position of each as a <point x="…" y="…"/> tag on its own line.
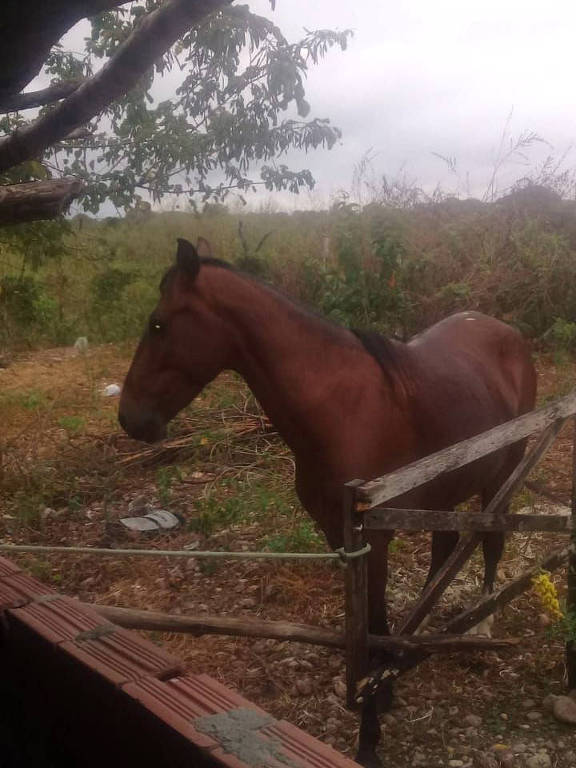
<point x="398" y="264"/>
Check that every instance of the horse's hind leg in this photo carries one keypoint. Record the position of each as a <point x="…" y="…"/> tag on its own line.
<point x="493" y="548"/>
<point x="443" y="543"/>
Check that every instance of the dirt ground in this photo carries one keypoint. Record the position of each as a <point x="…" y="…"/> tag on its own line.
<point x="68" y="474"/>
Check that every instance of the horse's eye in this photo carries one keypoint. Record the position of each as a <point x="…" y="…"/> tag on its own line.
<point x="156" y="327"/>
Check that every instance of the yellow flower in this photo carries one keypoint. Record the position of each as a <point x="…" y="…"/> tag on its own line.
<point x="545" y="589"/>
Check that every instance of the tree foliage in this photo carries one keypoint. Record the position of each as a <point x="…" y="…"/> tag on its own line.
<point x="240" y="104"/>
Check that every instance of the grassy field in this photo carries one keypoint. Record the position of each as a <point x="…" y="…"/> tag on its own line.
<point x="68" y="473"/>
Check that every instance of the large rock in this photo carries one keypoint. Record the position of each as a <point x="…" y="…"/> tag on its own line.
<point x="564" y="709"/>
<point x="539" y="760"/>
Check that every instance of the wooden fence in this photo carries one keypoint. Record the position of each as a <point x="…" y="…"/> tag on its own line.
<point x="365" y="509"/>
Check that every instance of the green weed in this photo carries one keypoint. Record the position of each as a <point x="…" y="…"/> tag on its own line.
<point x="302" y="537"/>
<point x="165" y="479"/>
<point x="73" y="425"/>
<point x="213" y="514"/>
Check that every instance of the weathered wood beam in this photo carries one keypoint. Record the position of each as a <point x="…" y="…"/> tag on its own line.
<point x="523" y="469"/>
<point x="466" y="546"/>
<point x="153" y="621"/>
<point x="356" y="594"/>
<point x="437" y="586"/>
<point x="488" y="605"/>
<point x="36" y="200"/>
<point x="151" y="38"/>
<point x="433" y="520"/>
<point x="542" y="490"/>
<point x="467" y="619"/>
<point x="383" y="489"/>
<point x="19" y="101"/>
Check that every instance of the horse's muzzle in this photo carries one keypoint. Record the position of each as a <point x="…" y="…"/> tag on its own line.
<point x="141" y="425"/>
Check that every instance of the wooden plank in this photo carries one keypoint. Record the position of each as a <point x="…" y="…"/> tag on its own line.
<point x="443" y="643"/>
<point x="542" y="490"/>
<point x="435" y="588"/>
<point x="356" y="585"/>
<point x="470" y="618"/>
<point x="154" y="621"/>
<point x="523" y="469"/>
<point x="571" y="594"/>
<point x="413" y="475"/>
<point x="433" y="520"/>
<point x="468" y="543"/>
<point x="488" y="605"/>
<point x="462" y="552"/>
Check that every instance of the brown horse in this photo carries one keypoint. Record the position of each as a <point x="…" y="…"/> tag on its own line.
<point x="349" y="405"/>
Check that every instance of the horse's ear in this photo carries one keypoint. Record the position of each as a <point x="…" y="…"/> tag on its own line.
<point x="204" y="248"/>
<point x="187" y="258"/>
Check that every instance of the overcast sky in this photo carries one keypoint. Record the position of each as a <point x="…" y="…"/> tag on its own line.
<point x="422" y="77"/>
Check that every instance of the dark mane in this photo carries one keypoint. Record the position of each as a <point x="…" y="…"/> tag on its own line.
<point x="385" y="352"/>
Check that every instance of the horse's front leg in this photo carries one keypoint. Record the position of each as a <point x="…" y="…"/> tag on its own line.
<point x="369" y="736"/>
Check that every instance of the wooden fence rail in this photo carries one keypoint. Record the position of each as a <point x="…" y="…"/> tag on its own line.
<point x="364" y="511"/>
<point x="391" y="486"/>
<point x="434" y="520"/>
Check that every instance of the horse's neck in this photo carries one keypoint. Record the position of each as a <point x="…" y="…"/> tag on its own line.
<point x="292" y="361"/>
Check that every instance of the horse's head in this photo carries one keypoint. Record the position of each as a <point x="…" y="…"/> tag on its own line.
<point x="184" y="347"/>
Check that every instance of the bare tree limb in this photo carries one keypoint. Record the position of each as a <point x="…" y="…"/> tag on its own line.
<point x="78" y="133"/>
<point x="38" y="98"/>
<point x="132" y="618"/>
<point x="36" y="200"/>
<point x="30" y="28"/>
<point x="150" y="40"/>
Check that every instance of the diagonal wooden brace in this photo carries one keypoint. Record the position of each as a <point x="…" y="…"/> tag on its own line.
<point x="466" y="620"/>
<point x="436" y="587"/>
<point x="466" y="546"/>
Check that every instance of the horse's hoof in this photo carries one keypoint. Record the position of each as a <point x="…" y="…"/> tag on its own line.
<point x="422" y="626"/>
<point x="368" y="760"/>
<point x="483" y="629"/>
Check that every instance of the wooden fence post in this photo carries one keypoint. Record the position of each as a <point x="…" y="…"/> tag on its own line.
<point x="356" y="595"/>
<point x="571" y="596"/>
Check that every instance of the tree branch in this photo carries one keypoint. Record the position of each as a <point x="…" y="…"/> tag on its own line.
<point x="132" y="618"/>
<point x="149" y="40"/>
<point x="79" y="133"/>
<point x="38" y="98"/>
<point x="29" y="30"/>
<point x="36" y="200"/>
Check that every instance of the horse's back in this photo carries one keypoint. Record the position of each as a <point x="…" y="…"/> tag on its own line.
<point x="483" y="359"/>
<point x="462" y="376"/>
<point x="473" y="372"/>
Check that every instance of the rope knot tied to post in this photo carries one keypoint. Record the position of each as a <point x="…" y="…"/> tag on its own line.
<point x="345" y="556"/>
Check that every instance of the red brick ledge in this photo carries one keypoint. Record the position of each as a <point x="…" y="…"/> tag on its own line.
<point x="195" y="717"/>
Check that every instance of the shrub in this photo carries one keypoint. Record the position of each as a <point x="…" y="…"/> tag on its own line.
<point x="25" y="309"/>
